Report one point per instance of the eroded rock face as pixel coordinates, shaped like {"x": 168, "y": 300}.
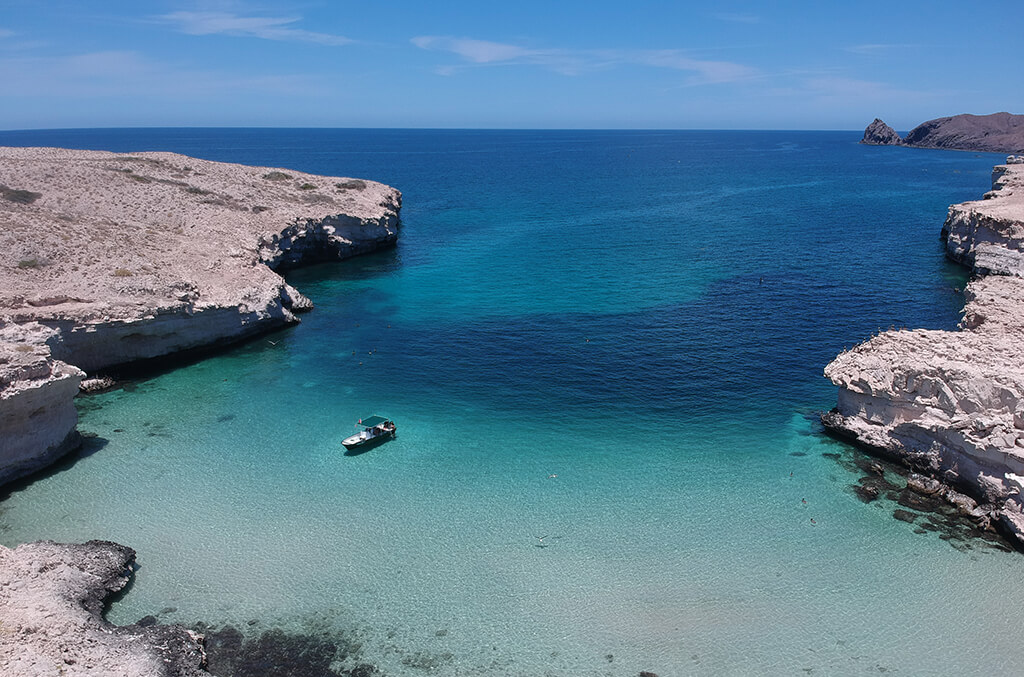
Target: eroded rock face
{"x": 51, "y": 597}
{"x": 37, "y": 414}
{"x": 988, "y": 235}
{"x": 880, "y": 134}
{"x": 951, "y": 404}
{"x": 130, "y": 257}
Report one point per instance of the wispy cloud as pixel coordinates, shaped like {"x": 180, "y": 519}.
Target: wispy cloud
{"x": 267, "y": 28}
{"x": 130, "y": 74}
{"x": 737, "y": 18}
{"x": 5, "y": 33}
{"x": 575, "y": 62}
{"x": 872, "y": 48}
{"x": 478, "y": 51}
{"x": 710, "y": 72}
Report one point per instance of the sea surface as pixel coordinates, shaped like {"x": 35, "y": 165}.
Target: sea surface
{"x": 604, "y": 354}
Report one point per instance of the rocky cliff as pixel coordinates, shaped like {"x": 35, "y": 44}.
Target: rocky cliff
{"x": 995, "y": 133}
{"x": 37, "y": 412}
{"x": 113, "y": 258}
{"x": 880, "y": 134}
{"x": 51, "y": 599}
{"x": 951, "y": 404}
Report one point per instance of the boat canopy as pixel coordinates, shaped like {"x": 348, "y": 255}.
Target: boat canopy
{"x": 372, "y": 421}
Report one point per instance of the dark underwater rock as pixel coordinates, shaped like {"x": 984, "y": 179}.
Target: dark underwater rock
{"x": 904, "y": 515}
{"x": 915, "y": 501}
{"x": 223, "y": 650}
{"x": 866, "y": 492}
{"x": 276, "y": 653}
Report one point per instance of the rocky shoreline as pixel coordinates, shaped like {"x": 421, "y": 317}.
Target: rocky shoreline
{"x": 51, "y": 602}
{"x": 950, "y": 405}
{"x": 117, "y": 258}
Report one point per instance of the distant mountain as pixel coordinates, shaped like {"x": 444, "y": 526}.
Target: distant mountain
{"x": 995, "y": 133}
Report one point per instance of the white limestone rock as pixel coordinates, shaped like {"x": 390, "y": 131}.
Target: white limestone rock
{"x": 37, "y": 414}
{"x": 951, "y": 404}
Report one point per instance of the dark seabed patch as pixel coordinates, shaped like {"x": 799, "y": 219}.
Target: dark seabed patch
{"x": 277, "y": 653}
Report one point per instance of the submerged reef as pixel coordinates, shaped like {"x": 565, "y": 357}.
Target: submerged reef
{"x": 280, "y": 653}
{"x": 950, "y": 404}
{"x": 112, "y": 259}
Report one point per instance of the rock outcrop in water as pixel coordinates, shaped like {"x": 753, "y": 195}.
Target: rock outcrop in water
{"x": 114, "y": 258}
{"x": 950, "y": 405}
{"x": 880, "y": 134}
{"x": 995, "y": 133}
{"x": 51, "y": 599}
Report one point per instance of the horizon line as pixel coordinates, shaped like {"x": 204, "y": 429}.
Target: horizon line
{"x": 445, "y": 129}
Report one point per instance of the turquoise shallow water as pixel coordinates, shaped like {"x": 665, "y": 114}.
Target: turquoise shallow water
{"x": 611, "y": 340}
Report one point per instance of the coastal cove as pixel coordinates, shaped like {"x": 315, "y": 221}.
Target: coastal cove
{"x": 604, "y": 353}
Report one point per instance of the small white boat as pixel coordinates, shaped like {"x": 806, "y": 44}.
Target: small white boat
{"x": 374, "y": 429}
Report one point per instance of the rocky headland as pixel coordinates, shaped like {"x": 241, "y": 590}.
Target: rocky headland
{"x": 115, "y": 258}
{"x": 995, "y": 133}
{"x": 51, "y": 602}
{"x": 950, "y": 404}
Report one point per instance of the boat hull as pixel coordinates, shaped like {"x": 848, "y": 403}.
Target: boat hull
{"x": 358, "y": 442}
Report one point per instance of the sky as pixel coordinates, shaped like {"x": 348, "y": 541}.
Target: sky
{"x": 556, "y": 64}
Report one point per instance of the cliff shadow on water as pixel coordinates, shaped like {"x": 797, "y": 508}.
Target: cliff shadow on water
{"x": 124, "y": 375}
{"x": 91, "y": 444}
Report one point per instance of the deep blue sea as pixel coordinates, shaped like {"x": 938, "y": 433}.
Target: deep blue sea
{"x": 604, "y": 354}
